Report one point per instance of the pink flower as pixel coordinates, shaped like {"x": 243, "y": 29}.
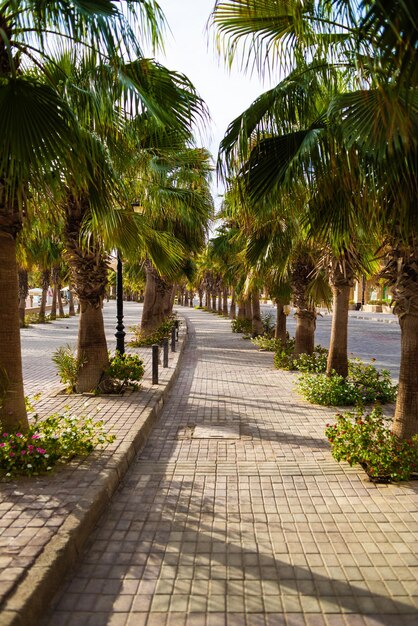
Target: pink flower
{"x": 30, "y": 448}
{"x": 5, "y": 435}
{"x": 40, "y": 450}
{"x": 35, "y": 436}
{"x": 12, "y": 454}
{"x": 2, "y": 445}
{"x": 19, "y": 435}
{"x": 23, "y": 452}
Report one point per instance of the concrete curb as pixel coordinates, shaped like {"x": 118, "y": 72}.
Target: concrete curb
{"x": 27, "y": 601}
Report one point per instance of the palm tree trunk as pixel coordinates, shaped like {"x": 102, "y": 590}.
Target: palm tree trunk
{"x": 61, "y": 312}
{"x": 337, "y": 356}
{"x": 257, "y": 324}
{"x": 248, "y": 309}
{"x": 54, "y": 279}
{"x": 214, "y": 301}
{"x": 220, "y": 308}
{"x": 191, "y": 298}
{"x": 280, "y": 330}
{"x": 225, "y": 302}
{"x": 233, "y": 307}
{"x": 168, "y": 301}
{"x": 12, "y": 400}
{"x": 89, "y": 277}
{"x": 200, "y": 292}
{"x": 23, "y": 294}
{"x": 241, "y": 309}
{"x": 71, "y": 309}
{"x": 305, "y": 331}
{"x": 207, "y": 299}
{"x": 186, "y": 298}
{"x": 305, "y": 313}
{"x": 405, "y": 423}
{"x": 402, "y": 270}
{"x": 91, "y": 346}
{"x": 153, "y": 309}
{"x": 45, "y": 276}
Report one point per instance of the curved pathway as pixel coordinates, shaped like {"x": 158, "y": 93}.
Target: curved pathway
{"x": 234, "y": 513}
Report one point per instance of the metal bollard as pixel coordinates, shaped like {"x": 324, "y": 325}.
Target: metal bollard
{"x": 165, "y": 353}
{"x": 173, "y": 339}
{"x": 176, "y": 326}
{"x": 155, "y": 350}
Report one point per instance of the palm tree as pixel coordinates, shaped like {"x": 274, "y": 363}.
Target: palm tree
{"x": 375, "y": 41}
{"x": 37, "y": 127}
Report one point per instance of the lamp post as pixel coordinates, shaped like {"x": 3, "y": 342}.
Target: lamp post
{"x": 120, "y": 332}
{"x": 120, "y": 328}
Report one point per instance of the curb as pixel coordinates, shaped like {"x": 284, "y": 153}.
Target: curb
{"x": 29, "y": 598}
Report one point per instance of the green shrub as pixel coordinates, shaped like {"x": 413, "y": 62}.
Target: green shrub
{"x": 241, "y": 326}
{"x": 364, "y": 384}
{"x": 56, "y": 438}
{"x": 332, "y": 390}
{"x": 164, "y": 330}
{"x": 315, "y": 362}
{"x": 266, "y": 343}
{"x": 68, "y": 366}
{"x": 365, "y": 438}
{"x": 373, "y": 385}
{"x": 268, "y": 324}
{"x": 283, "y": 358}
{"x": 126, "y": 370}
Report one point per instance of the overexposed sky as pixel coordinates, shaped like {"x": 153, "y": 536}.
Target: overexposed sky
{"x": 190, "y": 49}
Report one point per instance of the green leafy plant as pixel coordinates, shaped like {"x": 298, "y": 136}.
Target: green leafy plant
{"x": 241, "y": 326}
{"x": 266, "y": 343}
{"x": 126, "y": 370}
{"x": 365, "y": 438}
{"x": 164, "y": 330}
{"x": 68, "y": 366}
{"x": 315, "y": 362}
{"x": 364, "y": 384}
{"x": 58, "y": 438}
{"x": 268, "y": 324}
{"x": 283, "y": 358}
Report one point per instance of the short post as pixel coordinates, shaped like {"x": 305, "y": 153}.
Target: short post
{"x": 165, "y": 353}
{"x": 173, "y": 339}
{"x": 155, "y": 349}
{"x": 176, "y": 325}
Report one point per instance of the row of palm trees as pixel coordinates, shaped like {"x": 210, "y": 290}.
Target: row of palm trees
{"x": 322, "y": 168}
{"x": 97, "y": 155}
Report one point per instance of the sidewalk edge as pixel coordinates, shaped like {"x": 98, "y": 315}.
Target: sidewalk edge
{"x": 28, "y": 601}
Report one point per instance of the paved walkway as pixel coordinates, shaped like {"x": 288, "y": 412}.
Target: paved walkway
{"x": 235, "y": 514}
{"x": 45, "y": 520}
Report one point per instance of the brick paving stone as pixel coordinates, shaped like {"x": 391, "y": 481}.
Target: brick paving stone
{"x": 261, "y": 529}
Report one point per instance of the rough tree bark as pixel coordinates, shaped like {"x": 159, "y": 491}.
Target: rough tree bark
{"x": 23, "y": 294}
{"x": 45, "y": 278}
{"x": 280, "y": 329}
{"x": 89, "y": 276}
{"x": 233, "y": 307}
{"x": 402, "y": 272}
{"x": 341, "y": 280}
{"x": 156, "y": 290}
{"x": 257, "y": 324}
{"x": 305, "y": 311}
{"x": 12, "y": 400}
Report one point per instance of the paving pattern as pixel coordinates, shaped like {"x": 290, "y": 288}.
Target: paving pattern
{"x": 235, "y": 514}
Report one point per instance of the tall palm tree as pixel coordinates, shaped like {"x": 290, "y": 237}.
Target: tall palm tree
{"x": 37, "y": 127}
{"x": 376, "y": 42}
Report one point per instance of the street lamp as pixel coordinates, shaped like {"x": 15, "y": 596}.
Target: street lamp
{"x": 120, "y": 328}
{"x": 120, "y": 332}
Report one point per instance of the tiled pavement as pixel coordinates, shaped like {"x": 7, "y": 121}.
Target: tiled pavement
{"x": 44, "y": 521}
{"x": 235, "y": 514}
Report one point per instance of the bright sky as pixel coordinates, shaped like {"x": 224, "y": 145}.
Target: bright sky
{"x": 190, "y": 50}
